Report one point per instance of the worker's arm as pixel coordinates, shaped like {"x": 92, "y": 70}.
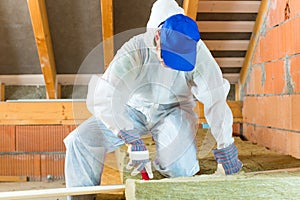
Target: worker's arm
{"x": 113, "y": 89}
{"x": 211, "y": 89}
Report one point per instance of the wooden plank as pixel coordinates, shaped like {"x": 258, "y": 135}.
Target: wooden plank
{"x": 227, "y": 45}
{"x": 230, "y": 61}
{"x": 190, "y": 8}
{"x": 254, "y": 40}
{"x": 228, "y": 6}
{"x": 66, "y": 113}
{"x": 233, "y": 78}
{"x": 36, "y": 113}
{"x": 2, "y": 91}
{"x": 39, "y": 20}
{"x": 107, "y": 31}
{"x": 235, "y": 106}
{"x": 58, "y": 192}
{"x": 38, "y": 79}
{"x": 225, "y": 26}
{"x": 13, "y": 178}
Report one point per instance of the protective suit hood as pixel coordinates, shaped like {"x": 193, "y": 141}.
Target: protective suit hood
{"x": 160, "y": 11}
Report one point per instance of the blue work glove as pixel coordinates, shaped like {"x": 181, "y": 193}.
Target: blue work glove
{"x": 138, "y": 153}
{"x": 227, "y": 158}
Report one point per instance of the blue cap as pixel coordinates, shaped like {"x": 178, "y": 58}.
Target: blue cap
{"x": 179, "y": 35}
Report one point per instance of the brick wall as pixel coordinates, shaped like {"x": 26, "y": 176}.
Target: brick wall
{"x": 33, "y": 151}
{"x": 271, "y": 112}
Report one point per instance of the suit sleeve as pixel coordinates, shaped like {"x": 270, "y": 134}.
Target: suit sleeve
{"x": 210, "y": 88}
{"x": 109, "y": 94}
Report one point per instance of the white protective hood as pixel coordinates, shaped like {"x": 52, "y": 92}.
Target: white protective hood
{"x": 160, "y": 11}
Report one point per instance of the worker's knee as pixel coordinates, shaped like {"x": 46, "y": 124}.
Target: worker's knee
{"x": 178, "y": 169}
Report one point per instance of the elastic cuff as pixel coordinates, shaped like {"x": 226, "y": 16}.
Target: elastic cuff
{"x": 139, "y": 155}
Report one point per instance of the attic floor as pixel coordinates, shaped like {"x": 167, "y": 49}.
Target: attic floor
{"x": 254, "y": 158}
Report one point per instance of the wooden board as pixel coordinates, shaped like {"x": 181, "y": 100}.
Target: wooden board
{"x": 230, "y": 61}
{"x": 66, "y": 112}
{"x": 229, "y": 45}
{"x": 13, "y": 178}
{"x": 225, "y": 26}
{"x": 228, "y": 6}
{"x": 58, "y": 192}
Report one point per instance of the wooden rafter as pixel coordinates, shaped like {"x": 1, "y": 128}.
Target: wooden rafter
{"x": 39, "y": 20}
{"x": 2, "y": 91}
{"x": 107, "y": 31}
{"x": 190, "y": 8}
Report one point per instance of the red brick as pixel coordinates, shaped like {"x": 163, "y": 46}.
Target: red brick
{"x": 272, "y": 45}
{"x": 273, "y": 111}
{"x": 291, "y": 36}
{"x": 294, "y": 7}
{"x": 276, "y": 13}
{"x": 7, "y": 139}
{"x": 52, "y": 164}
{"x": 250, "y": 107}
{"x": 41, "y": 138}
{"x": 293, "y": 144}
{"x": 295, "y": 72}
{"x": 275, "y": 77}
{"x": 295, "y": 112}
{"x": 20, "y": 165}
{"x": 249, "y": 133}
{"x": 257, "y": 54}
{"x": 277, "y": 111}
{"x": 236, "y": 129}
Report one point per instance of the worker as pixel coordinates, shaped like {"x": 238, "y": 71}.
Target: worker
{"x": 150, "y": 87}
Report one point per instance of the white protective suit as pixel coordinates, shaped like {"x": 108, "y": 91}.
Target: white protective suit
{"x": 137, "y": 92}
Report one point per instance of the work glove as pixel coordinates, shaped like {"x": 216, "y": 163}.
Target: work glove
{"x": 138, "y": 153}
{"x": 227, "y": 159}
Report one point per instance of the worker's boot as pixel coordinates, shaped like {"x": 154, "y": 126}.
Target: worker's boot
{"x": 84, "y": 197}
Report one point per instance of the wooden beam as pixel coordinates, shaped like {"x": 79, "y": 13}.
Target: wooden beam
{"x": 253, "y": 41}
{"x": 190, "y": 8}
{"x": 39, "y": 20}
{"x": 233, "y": 78}
{"x": 225, "y": 26}
{"x": 58, "y": 192}
{"x": 107, "y": 31}
{"x": 13, "y": 178}
{"x": 2, "y": 92}
{"x": 227, "y": 45}
{"x": 235, "y": 106}
{"x": 67, "y": 112}
{"x": 230, "y": 61}
{"x": 237, "y": 92}
{"x": 228, "y": 6}
{"x": 38, "y": 79}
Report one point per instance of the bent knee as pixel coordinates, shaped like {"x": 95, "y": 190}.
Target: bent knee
{"x": 178, "y": 170}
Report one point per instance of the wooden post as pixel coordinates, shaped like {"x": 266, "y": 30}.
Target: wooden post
{"x": 237, "y": 92}
{"x": 107, "y": 31}
{"x": 263, "y": 9}
{"x": 39, "y": 20}
{"x": 190, "y": 8}
{"x": 2, "y": 92}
